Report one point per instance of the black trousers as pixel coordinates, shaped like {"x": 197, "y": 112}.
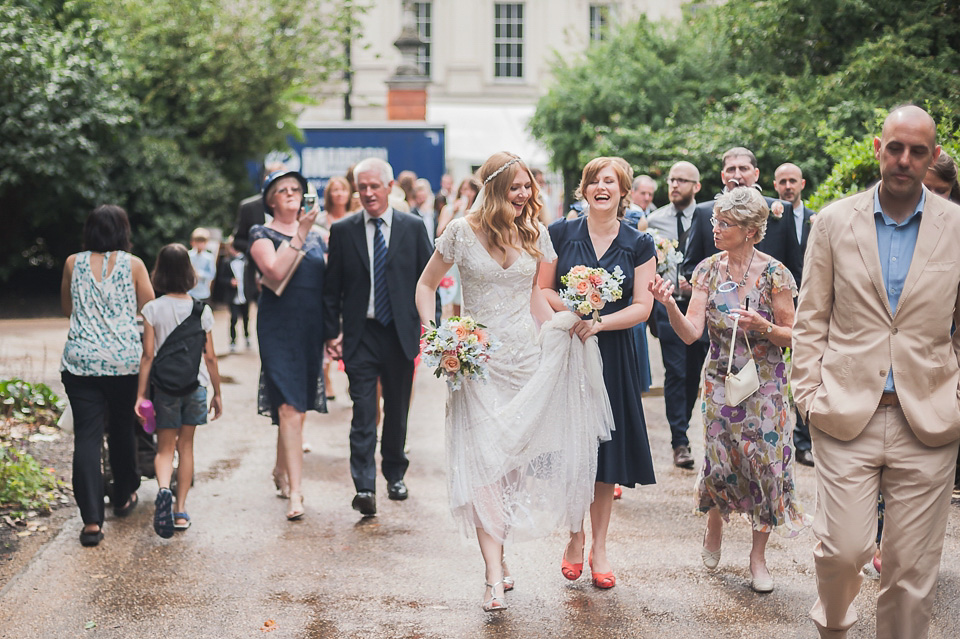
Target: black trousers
{"x": 682, "y": 365}
{"x": 379, "y": 356}
{"x": 801, "y": 434}
{"x": 242, "y": 312}
{"x": 98, "y": 403}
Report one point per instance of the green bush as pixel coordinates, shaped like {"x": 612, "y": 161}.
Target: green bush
{"x": 24, "y": 485}
{"x": 28, "y": 402}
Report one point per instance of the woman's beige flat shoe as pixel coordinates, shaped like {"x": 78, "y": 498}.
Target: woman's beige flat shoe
{"x": 711, "y": 558}
{"x": 762, "y": 585}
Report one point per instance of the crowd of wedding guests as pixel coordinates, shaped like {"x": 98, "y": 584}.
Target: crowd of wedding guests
{"x": 731, "y": 286}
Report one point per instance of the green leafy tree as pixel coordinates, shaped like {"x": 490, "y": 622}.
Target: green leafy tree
{"x": 62, "y": 113}
{"x": 762, "y": 74}
{"x": 155, "y": 106}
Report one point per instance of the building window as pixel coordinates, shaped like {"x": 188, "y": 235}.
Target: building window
{"x": 508, "y": 40}
{"x": 424, "y": 15}
{"x": 599, "y": 22}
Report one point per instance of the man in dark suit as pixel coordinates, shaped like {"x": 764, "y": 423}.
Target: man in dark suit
{"x": 251, "y": 212}
{"x": 788, "y": 181}
{"x": 682, "y": 363}
{"x": 374, "y": 263}
{"x": 780, "y": 241}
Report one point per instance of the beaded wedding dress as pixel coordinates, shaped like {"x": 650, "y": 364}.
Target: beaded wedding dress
{"x": 521, "y": 446}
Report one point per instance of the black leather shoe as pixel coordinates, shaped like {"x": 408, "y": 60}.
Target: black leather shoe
{"x": 805, "y": 457}
{"x": 366, "y": 503}
{"x": 127, "y": 508}
{"x": 397, "y": 490}
{"x": 90, "y": 539}
{"x": 682, "y": 458}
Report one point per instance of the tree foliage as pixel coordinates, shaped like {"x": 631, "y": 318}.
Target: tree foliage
{"x": 781, "y": 77}
{"x": 156, "y": 106}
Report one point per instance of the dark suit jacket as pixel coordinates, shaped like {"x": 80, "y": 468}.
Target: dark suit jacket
{"x": 779, "y": 242}
{"x": 346, "y": 291}
{"x": 807, "y": 223}
{"x": 249, "y": 213}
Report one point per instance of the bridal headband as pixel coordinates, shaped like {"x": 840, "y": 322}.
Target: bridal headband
{"x": 501, "y": 170}
{"x": 478, "y": 202}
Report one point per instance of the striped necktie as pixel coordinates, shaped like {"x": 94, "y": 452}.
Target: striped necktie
{"x": 381, "y": 297}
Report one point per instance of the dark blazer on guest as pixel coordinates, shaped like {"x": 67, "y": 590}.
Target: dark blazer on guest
{"x": 807, "y": 223}
{"x": 249, "y": 212}
{"x": 346, "y": 292}
{"x": 779, "y": 242}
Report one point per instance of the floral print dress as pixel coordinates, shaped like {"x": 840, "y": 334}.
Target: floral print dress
{"x": 748, "y": 458}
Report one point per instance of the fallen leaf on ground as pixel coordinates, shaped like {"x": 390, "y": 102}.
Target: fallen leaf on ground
{"x": 268, "y": 626}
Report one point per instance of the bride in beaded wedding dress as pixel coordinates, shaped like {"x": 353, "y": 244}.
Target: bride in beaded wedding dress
{"x": 521, "y": 446}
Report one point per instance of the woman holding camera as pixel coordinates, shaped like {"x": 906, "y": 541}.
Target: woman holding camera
{"x": 289, "y": 326}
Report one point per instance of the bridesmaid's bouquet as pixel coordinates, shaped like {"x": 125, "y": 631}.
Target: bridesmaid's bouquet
{"x": 668, "y": 253}
{"x": 589, "y": 289}
{"x": 459, "y": 348}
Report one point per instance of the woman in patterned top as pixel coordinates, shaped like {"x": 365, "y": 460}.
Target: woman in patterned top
{"x": 103, "y": 289}
{"x": 748, "y": 448}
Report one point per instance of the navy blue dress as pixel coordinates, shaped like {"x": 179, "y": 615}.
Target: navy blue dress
{"x": 625, "y": 459}
{"x": 290, "y": 333}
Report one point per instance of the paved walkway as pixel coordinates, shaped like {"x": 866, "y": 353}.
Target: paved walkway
{"x": 404, "y": 573}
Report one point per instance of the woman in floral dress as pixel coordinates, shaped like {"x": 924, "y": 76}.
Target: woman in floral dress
{"x": 748, "y": 459}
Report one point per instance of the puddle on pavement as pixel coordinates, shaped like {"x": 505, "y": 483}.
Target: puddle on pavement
{"x": 219, "y": 470}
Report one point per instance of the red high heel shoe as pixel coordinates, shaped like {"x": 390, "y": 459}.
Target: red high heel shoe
{"x": 602, "y": 580}
{"x": 571, "y": 571}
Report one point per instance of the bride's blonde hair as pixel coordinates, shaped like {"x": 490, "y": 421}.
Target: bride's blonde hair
{"x": 496, "y": 216}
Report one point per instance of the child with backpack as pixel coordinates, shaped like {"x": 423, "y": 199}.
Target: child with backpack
{"x": 176, "y": 335}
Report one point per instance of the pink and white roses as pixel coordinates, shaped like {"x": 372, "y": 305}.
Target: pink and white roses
{"x": 589, "y": 289}
{"x": 459, "y": 348}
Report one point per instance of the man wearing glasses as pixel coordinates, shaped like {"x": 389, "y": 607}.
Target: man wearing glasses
{"x": 780, "y": 241}
{"x": 681, "y": 363}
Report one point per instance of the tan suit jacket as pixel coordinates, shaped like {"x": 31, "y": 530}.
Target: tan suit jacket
{"x": 846, "y": 337}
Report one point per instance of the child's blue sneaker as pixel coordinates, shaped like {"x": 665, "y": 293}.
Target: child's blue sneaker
{"x": 163, "y": 517}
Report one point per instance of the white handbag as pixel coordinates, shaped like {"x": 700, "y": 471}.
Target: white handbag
{"x": 745, "y": 383}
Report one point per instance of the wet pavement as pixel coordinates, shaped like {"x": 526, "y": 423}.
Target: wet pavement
{"x": 242, "y": 570}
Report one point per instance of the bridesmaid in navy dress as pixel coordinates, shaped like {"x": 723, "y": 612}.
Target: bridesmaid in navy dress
{"x": 602, "y": 239}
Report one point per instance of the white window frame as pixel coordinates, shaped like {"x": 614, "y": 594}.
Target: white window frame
{"x": 423, "y": 13}
{"x": 509, "y": 50}
{"x": 601, "y": 16}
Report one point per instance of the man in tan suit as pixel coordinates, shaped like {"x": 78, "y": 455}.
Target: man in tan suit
{"x": 876, "y": 374}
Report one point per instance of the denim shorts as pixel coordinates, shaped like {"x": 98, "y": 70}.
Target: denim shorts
{"x": 174, "y": 412}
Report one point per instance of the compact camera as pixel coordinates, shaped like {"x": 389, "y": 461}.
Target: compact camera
{"x": 309, "y": 201}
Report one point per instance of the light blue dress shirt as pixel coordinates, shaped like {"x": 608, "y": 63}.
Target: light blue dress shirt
{"x": 896, "y": 243}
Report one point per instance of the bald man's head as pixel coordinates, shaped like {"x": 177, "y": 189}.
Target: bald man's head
{"x": 788, "y": 181}
{"x": 914, "y": 116}
{"x": 906, "y": 148}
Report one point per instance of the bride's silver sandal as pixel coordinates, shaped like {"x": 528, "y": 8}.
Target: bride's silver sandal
{"x": 494, "y": 603}
{"x": 508, "y": 581}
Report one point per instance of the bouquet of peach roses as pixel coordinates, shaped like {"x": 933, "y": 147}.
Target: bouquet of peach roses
{"x": 589, "y": 289}
{"x": 459, "y": 348}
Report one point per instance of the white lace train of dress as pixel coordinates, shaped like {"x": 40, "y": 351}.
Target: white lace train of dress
{"x": 522, "y": 446}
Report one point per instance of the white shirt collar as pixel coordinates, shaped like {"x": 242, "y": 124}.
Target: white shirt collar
{"x": 387, "y": 217}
